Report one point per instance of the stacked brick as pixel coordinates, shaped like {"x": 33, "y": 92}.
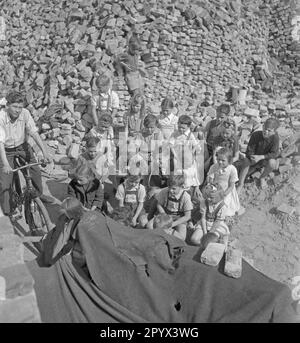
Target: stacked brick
{"x": 55, "y": 49}
{"x": 18, "y": 303}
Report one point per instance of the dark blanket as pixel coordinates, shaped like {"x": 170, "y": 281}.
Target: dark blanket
{"x": 148, "y": 276}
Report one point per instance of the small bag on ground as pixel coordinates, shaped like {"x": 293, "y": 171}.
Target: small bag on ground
{"x": 233, "y": 263}
{"x": 213, "y": 254}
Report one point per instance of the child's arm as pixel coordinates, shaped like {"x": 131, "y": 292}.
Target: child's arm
{"x": 137, "y": 213}
{"x": 182, "y": 220}
{"x": 203, "y": 225}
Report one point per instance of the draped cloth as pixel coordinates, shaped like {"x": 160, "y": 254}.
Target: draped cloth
{"x": 140, "y": 276}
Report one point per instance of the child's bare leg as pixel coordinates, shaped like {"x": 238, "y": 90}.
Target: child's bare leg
{"x": 180, "y": 231}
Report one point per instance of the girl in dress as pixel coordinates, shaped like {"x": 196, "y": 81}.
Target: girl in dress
{"x": 225, "y": 174}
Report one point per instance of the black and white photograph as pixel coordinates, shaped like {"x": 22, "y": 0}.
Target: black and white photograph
{"x": 149, "y": 165}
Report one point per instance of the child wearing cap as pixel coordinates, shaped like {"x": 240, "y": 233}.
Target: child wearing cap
{"x": 262, "y": 152}
{"x": 106, "y": 100}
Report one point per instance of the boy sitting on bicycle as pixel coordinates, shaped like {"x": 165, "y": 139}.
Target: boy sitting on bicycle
{"x": 17, "y": 124}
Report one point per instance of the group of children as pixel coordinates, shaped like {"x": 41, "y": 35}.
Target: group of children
{"x": 169, "y": 171}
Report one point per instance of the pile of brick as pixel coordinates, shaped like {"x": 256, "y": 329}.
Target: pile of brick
{"x": 18, "y": 303}
{"x": 55, "y": 49}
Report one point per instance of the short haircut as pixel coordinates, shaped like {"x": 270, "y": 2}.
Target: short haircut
{"x": 225, "y": 152}
{"x": 72, "y": 207}
{"x": 92, "y": 142}
{"x": 162, "y": 221}
{"x": 271, "y": 123}
{"x": 15, "y": 97}
{"x": 83, "y": 170}
{"x": 185, "y": 119}
{"x": 225, "y": 108}
{"x": 150, "y": 119}
{"x": 176, "y": 180}
{"x": 167, "y": 103}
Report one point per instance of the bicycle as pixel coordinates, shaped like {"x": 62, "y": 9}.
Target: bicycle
{"x": 35, "y": 213}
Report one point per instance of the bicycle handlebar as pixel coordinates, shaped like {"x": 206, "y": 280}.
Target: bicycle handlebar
{"x": 29, "y": 165}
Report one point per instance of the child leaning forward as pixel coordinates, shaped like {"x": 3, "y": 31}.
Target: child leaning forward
{"x": 176, "y": 202}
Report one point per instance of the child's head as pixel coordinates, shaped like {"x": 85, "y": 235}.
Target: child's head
{"x": 223, "y": 111}
{"x": 91, "y": 147}
{"x": 213, "y": 193}
{"x": 103, "y": 83}
{"x": 270, "y": 127}
{"x": 162, "y": 221}
{"x": 137, "y": 104}
{"x": 175, "y": 184}
{"x": 150, "y": 123}
{"x": 167, "y": 106}
{"x": 184, "y": 122}
{"x": 72, "y": 208}
{"x": 224, "y": 157}
{"x": 83, "y": 174}
{"x": 105, "y": 121}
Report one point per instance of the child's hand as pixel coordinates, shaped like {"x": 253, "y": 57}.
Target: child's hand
{"x": 133, "y": 221}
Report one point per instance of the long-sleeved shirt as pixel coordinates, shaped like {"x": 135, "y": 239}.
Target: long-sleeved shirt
{"x": 258, "y": 145}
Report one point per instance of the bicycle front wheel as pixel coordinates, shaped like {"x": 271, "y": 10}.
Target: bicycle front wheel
{"x": 37, "y": 216}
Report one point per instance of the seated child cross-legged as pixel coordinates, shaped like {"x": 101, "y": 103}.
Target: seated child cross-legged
{"x": 212, "y": 226}
{"x": 131, "y": 194}
{"x": 176, "y": 202}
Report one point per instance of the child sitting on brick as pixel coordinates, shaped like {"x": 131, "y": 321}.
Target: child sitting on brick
{"x": 86, "y": 187}
{"x": 105, "y": 101}
{"x": 176, "y": 202}
{"x": 131, "y": 194}
{"x": 212, "y": 226}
